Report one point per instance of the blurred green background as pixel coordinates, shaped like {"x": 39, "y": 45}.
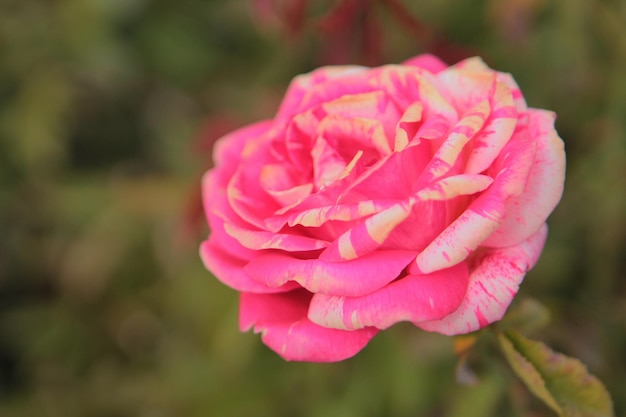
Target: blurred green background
{"x": 108, "y": 110}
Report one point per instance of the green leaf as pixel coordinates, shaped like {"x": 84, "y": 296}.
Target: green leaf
{"x": 525, "y": 315}
{"x": 561, "y": 382}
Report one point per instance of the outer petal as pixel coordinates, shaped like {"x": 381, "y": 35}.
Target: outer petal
{"x": 213, "y": 191}
{"x": 245, "y": 195}
{"x": 357, "y": 277}
{"x": 528, "y": 211}
{"x": 226, "y": 242}
{"x": 428, "y": 62}
{"x": 494, "y": 281}
{"x": 474, "y": 63}
{"x": 413, "y": 298}
{"x": 406, "y": 85}
{"x": 227, "y": 150}
{"x": 477, "y": 64}
{"x": 459, "y": 239}
{"x": 338, "y": 82}
{"x": 484, "y": 215}
{"x": 218, "y": 212}
{"x": 230, "y": 270}
{"x": 518, "y": 97}
{"x": 497, "y": 132}
{"x": 286, "y": 330}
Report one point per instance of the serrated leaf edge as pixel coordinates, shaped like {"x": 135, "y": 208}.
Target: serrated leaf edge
{"x": 540, "y": 391}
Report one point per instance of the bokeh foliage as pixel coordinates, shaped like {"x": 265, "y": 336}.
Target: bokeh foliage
{"x": 108, "y": 109}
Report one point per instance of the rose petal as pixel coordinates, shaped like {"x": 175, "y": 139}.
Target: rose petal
{"x": 292, "y": 196}
{"x": 352, "y": 278}
{"x": 452, "y": 147}
{"x": 516, "y": 93}
{"x": 372, "y": 233}
{"x": 466, "y": 89}
{"x": 281, "y": 318}
{"x": 407, "y": 126}
{"x": 230, "y": 270}
{"x": 350, "y": 134}
{"x": 458, "y": 240}
{"x": 428, "y": 62}
{"x": 493, "y": 283}
{"x": 246, "y": 197}
{"x": 368, "y": 235}
{"x": 228, "y": 148}
{"x": 454, "y": 186}
{"x": 393, "y": 177}
{"x": 317, "y": 216}
{"x": 497, "y": 131}
{"x": 347, "y": 81}
{"x": 226, "y": 242}
{"x": 414, "y": 233}
{"x": 328, "y": 165}
{"x": 484, "y": 215}
{"x": 375, "y": 105}
{"x": 326, "y": 197}
{"x": 433, "y": 130}
{"x": 261, "y": 239}
{"x": 286, "y": 184}
{"x": 259, "y": 309}
{"x": 407, "y": 85}
{"x": 301, "y": 85}
{"x": 476, "y": 64}
{"x": 218, "y": 212}
{"x": 528, "y": 211}
{"x": 298, "y": 140}
{"x": 413, "y": 298}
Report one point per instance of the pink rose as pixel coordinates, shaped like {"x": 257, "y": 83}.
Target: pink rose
{"x": 415, "y": 192}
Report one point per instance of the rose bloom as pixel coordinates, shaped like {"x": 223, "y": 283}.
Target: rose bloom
{"x": 416, "y": 192}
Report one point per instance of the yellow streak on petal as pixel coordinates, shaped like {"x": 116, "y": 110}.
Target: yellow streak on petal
{"x": 412, "y": 114}
{"x": 382, "y": 224}
{"x": 331, "y": 315}
{"x": 450, "y": 150}
{"x": 346, "y": 249}
{"x": 351, "y": 165}
{"x": 454, "y": 186}
{"x": 356, "y": 323}
{"x": 472, "y": 64}
{"x": 489, "y": 146}
{"x": 379, "y": 139}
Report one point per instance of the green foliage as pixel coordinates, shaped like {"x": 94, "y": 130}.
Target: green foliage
{"x": 561, "y": 382}
{"x": 525, "y": 315}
